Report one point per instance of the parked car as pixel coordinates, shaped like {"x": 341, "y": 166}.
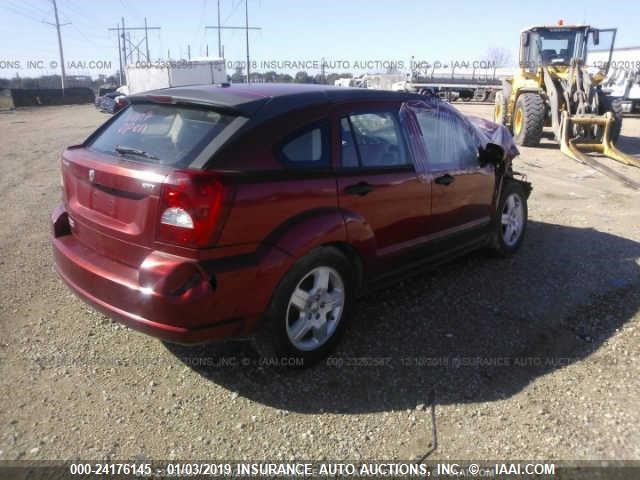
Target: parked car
{"x": 198, "y": 213}
{"x": 111, "y": 102}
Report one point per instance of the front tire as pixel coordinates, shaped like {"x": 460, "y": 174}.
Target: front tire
{"x": 309, "y": 309}
{"x": 500, "y": 109}
{"x": 613, "y": 105}
{"x": 528, "y": 119}
{"x": 511, "y": 219}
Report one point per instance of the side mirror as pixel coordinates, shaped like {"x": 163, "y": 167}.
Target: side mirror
{"x": 596, "y": 36}
{"x": 492, "y": 154}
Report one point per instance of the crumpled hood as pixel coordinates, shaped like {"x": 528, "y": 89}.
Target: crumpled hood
{"x": 491, "y": 132}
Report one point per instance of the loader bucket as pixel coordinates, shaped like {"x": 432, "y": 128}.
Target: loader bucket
{"x": 576, "y": 149}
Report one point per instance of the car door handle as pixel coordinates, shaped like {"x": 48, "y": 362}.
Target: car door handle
{"x": 445, "y": 180}
{"x": 361, "y": 189}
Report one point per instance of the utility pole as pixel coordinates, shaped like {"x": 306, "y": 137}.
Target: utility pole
{"x": 188, "y": 52}
{"x": 219, "y": 33}
{"x": 134, "y": 48}
{"x": 146, "y": 39}
{"x": 246, "y": 25}
{"x": 119, "y": 54}
{"x": 124, "y": 44}
{"x": 58, "y": 25}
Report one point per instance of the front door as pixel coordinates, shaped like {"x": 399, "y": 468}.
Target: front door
{"x": 378, "y": 183}
{"x": 461, "y": 190}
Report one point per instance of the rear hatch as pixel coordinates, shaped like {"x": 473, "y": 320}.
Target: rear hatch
{"x": 114, "y": 182}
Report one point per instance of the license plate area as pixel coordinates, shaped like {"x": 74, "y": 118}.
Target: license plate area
{"x": 103, "y": 202}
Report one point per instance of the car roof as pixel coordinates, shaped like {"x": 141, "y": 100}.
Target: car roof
{"x": 247, "y": 99}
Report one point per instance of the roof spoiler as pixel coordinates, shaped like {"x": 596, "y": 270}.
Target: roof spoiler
{"x": 178, "y": 100}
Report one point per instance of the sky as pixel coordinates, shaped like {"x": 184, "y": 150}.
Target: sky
{"x": 346, "y": 33}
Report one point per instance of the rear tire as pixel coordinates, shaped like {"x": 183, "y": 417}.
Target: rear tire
{"x": 302, "y": 303}
{"x": 528, "y": 119}
{"x": 511, "y": 219}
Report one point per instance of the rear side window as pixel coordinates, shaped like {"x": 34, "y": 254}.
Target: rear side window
{"x": 307, "y": 148}
{"x": 378, "y": 140}
{"x": 161, "y": 134}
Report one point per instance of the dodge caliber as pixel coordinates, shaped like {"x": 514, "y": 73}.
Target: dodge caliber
{"x": 198, "y": 213}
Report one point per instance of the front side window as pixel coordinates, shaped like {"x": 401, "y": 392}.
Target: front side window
{"x": 307, "y": 148}
{"x": 348, "y": 145}
{"x": 449, "y": 143}
{"x": 161, "y": 134}
{"x": 374, "y": 139}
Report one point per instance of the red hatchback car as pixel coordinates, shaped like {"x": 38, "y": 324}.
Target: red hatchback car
{"x": 198, "y": 213}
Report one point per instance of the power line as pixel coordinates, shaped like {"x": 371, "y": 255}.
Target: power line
{"x": 83, "y": 35}
{"x": 83, "y": 24}
{"x": 29, "y": 9}
{"x": 104, "y": 47}
{"x": 22, "y": 13}
{"x": 123, "y": 33}
{"x": 131, "y": 8}
{"x": 203, "y": 12}
{"x": 88, "y": 19}
{"x": 233, "y": 9}
{"x": 246, "y": 28}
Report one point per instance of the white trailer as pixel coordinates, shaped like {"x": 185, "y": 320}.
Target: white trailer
{"x": 623, "y": 79}
{"x": 468, "y": 84}
{"x": 142, "y": 78}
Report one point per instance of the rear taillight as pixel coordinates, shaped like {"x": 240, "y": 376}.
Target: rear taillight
{"x": 63, "y": 185}
{"x": 190, "y": 207}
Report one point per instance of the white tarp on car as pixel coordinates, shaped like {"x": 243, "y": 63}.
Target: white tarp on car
{"x": 451, "y": 132}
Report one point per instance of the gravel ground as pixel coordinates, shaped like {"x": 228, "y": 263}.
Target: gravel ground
{"x": 533, "y": 357}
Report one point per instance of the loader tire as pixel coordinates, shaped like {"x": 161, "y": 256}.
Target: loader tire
{"x": 528, "y": 119}
{"x": 613, "y": 105}
{"x": 500, "y": 108}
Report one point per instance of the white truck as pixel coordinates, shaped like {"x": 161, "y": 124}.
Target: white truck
{"x": 177, "y": 73}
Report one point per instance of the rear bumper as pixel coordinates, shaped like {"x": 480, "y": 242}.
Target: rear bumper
{"x": 169, "y": 297}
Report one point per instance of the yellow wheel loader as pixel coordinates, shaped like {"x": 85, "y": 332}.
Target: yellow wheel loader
{"x": 555, "y": 87}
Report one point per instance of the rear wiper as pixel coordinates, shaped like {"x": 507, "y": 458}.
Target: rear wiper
{"x": 122, "y": 150}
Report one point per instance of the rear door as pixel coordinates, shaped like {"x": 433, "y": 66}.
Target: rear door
{"x": 378, "y": 182}
{"x": 461, "y": 190}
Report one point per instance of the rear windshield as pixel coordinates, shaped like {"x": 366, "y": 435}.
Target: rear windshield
{"x": 161, "y": 134}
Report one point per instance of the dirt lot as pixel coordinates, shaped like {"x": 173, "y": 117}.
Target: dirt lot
{"x": 531, "y": 357}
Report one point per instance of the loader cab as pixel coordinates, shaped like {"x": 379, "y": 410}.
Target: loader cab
{"x": 559, "y": 46}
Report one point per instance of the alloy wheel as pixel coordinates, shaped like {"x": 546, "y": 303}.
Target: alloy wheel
{"x": 315, "y": 308}
{"x": 512, "y": 219}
